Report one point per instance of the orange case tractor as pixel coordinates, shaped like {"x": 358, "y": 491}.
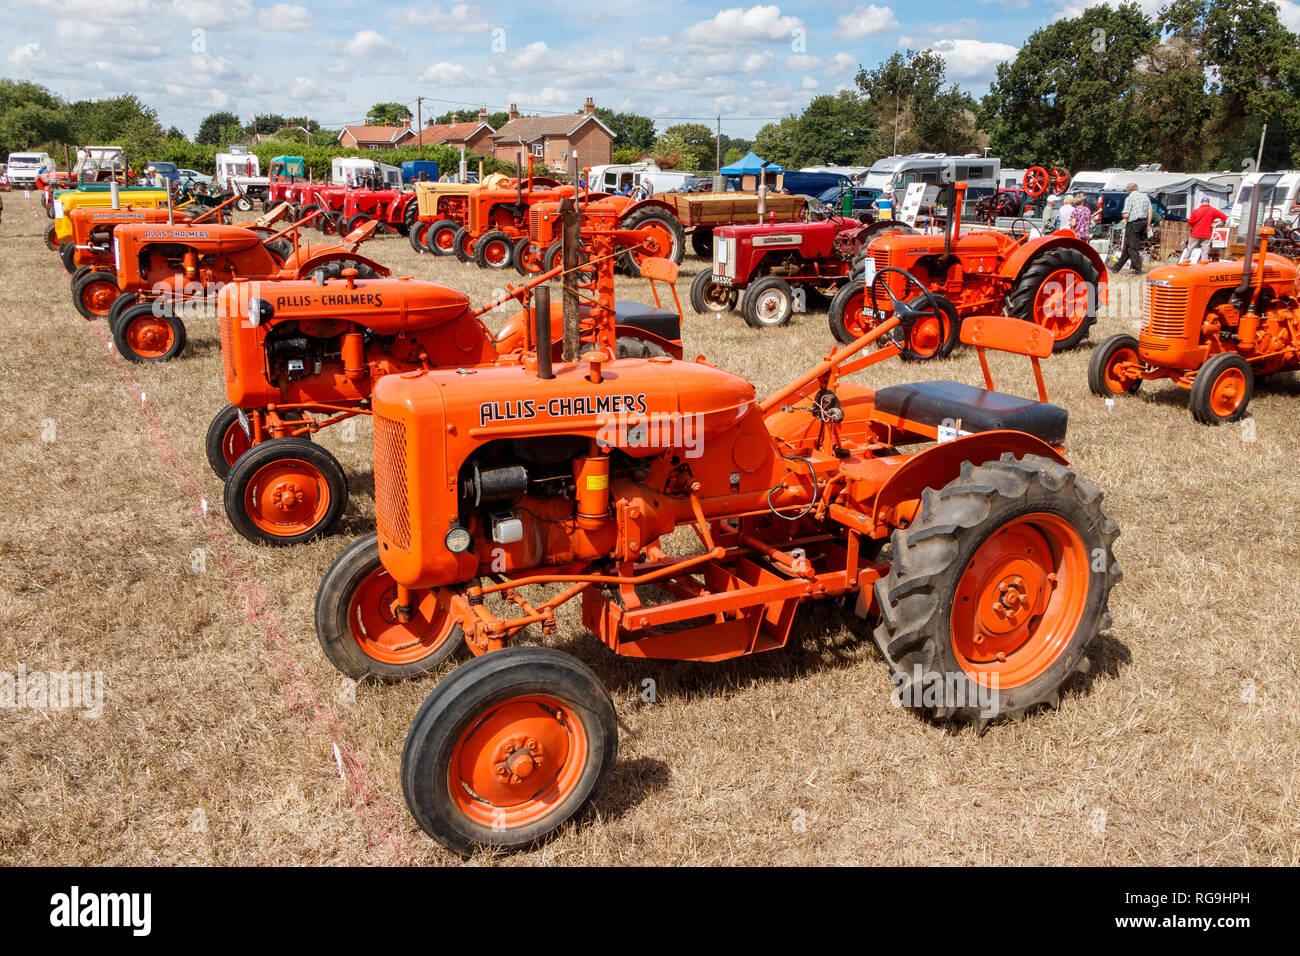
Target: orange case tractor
{"x": 300, "y": 356}
{"x": 505, "y": 491}
{"x": 163, "y": 270}
{"x": 1213, "y": 328}
{"x": 496, "y": 219}
{"x": 1055, "y": 281}
{"x": 640, "y": 230}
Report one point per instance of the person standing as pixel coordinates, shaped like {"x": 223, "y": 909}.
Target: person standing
{"x": 1081, "y": 220}
{"x": 1202, "y": 222}
{"x": 1065, "y": 215}
{"x": 1137, "y": 223}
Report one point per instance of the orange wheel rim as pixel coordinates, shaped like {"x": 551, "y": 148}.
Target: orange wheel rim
{"x": 1020, "y": 601}
{"x": 445, "y": 239}
{"x": 468, "y": 244}
{"x": 856, "y": 319}
{"x": 1118, "y": 379}
{"x": 1061, "y": 303}
{"x": 372, "y": 617}
{"x": 1227, "y": 392}
{"x": 98, "y": 296}
{"x": 518, "y": 762}
{"x": 927, "y": 336}
{"x": 287, "y": 497}
{"x": 496, "y": 253}
{"x": 421, "y": 235}
{"x": 150, "y": 336}
{"x": 659, "y": 243}
{"x": 234, "y": 443}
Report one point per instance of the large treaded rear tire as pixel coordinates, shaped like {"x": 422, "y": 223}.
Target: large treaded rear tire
{"x": 1020, "y": 301}
{"x": 918, "y": 596}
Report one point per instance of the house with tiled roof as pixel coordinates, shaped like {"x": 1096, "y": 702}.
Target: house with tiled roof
{"x": 554, "y": 139}
{"x": 374, "y": 137}
{"x": 474, "y": 136}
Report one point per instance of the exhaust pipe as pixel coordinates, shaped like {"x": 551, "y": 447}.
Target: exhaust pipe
{"x": 114, "y": 195}
{"x": 542, "y": 330}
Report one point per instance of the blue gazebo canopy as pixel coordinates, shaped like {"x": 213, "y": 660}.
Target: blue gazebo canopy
{"x": 749, "y": 165}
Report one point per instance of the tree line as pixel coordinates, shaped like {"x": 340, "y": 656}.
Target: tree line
{"x": 1192, "y": 88}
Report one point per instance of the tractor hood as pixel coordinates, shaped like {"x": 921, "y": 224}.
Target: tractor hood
{"x": 209, "y": 239}
{"x": 1222, "y": 274}
{"x": 779, "y": 234}
{"x": 386, "y": 306}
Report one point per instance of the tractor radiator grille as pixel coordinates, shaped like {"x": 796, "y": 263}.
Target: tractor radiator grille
{"x": 473, "y": 219}
{"x": 392, "y": 513}
{"x": 1165, "y": 311}
{"x": 534, "y": 222}
{"x": 227, "y": 347}
{"x": 881, "y": 258}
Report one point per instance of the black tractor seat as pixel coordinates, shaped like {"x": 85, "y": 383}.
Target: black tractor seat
{"x": 647, "y": 318}
{"x": 977, "y": 409}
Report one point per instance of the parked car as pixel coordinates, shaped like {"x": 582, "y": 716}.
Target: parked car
{"x": 864, "y": 197}
{"x": 167, "y": 171}
{"x": 192, "y": 177}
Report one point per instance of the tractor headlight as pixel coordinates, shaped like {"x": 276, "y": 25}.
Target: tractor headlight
{"x": 458, "y": 540}
{"x": 259, "y": 311}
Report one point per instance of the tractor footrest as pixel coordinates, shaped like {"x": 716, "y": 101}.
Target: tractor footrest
{"x": 978, "y": 409}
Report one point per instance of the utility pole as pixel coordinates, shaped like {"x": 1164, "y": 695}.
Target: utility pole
{"x": 419, "y": 127}
{"x": 1259, "y": 157}
{"x": 718, "y": 166}
{"x": 896, "y": 99}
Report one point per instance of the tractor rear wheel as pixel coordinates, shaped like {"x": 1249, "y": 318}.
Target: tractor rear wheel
{"x": 508, "y": 748}
{"x": 526, "y": 259}
{"x": 285, "y": 491}
{"x": 709, "y": 296}
{"x": 996, "y": 590}
{"x": 662, "y": 230}
{"x": 441, "y": 237}
{"x": 1057, "y": 290}
{"x": 141, "y": 335}
{"x": 306, "y": 211}
{"x": 626, "y": 346}
{"x": 94, "y": 293}
{"x": 355, "y": 222}
{"x": 463, "y": 244}
{"x": 768, "y": 303}
{"x": 702, "y": 242}
{"x": 1110, "y": 368}
{"x": 1222, "y": 389}
{"x": 51, "y": 238}
{"x": 68, "y": 256}
{"x": 359, "y": 630}
{"x": 494, "y": 250}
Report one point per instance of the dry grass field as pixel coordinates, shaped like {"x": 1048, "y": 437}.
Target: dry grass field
{"x": 221, "y": 717}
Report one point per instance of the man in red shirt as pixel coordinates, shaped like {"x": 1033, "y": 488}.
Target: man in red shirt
{"x": 1202, "y": 221}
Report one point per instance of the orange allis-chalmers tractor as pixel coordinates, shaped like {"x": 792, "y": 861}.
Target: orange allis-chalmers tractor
{"x": 164, "y": 272}
{"x": 1055, "y": 281}
{"x": 504, "y": 491}
{"x": 300, "y": 356}
{"x": 1213, "y": 328}
{"x": 639, "y": 230}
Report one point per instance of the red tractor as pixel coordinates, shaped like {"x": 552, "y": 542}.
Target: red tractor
{"x": 326, "y": 199}
{"x": 982, "y": 563}
{"x": 769, "y": 262}
{"x": 167, "y": 272}
{"x": 393, "y": 209}
{"x": 1055, "y": 281}
{"x": 300, "y": 356}
{"x": 639, "y": 229}
{"x": 1214, "y": 328}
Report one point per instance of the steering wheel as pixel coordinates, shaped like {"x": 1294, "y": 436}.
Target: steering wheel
{"x": 1023, "y": 233}
{"x": 917, "y": 328}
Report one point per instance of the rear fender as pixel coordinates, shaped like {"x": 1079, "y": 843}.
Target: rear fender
{"x": 940, "y": 464}
{"x": 1018, "y": 261}
{"x": 647, "y": 204}
{"x": 512, "y": 336}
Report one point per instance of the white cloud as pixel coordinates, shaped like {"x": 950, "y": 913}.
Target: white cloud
{"x": 733, "y": 27}
{"x": 808, "y": 83}
{"x": 546, "y": 97}
{"x": 26, "y": 56}
{"x": 972, "y": 60}
{"x": 840, "y": 64}
{"x": 796, "y": 64}
{"x": 1289, "y": 14}
{"x": 305, "y": 88}
{"x": 124, "y": 42}
{"x": 285, "y": 16}
{"x": 212, "y": 14}
{"x": 447, "y": 74}
{"x": 100, "y": 11}
{"x": 865, "y": 21}
{"x": 458, "y": 18}
{"x": 369, "y": 43}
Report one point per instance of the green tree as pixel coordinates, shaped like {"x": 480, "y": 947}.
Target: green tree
{"x": 836, "y": 129}
{"x": 914, "y": 108}
{"x": 1070, "y": 96}
{"x": 388, "y": 114}
{"x": 30, "y": 116}
{"x": 631, "y": 130}
{"x": 779, "y": 142}
{"x": 213, "y": 128}
{"x": 692, "y": 143}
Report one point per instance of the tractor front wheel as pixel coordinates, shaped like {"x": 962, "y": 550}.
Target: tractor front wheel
{"x": 359, "y": 628}
{"x": 996, "y": 590}
{"x": 710, "y": 296}
{"x": 141, "y": 335}
{"x": 285, "y": 491}
{"x": 508, "y": 748}
{"x": 768, "y": 303}
{"x": 417, "y": 235}
{"x": 441, "y": 237}
{"x": 463, "y": 244}
{"x": 226, "y": 441}
{"x": 81, "y": 271}
{"x": 94, "y": 293}
{"x": 934, "y": 333}
{"x": 1058, "y": 290}
{"x": 354, "y": 223}
{"x": 68, "y": 256}
{"x": 554, "y": 256}
{"x": 1113, "y": 368}
{"x": 663, "y": 235}
{"x": 1222, "y": 389}
{"x": 494, "y": 250}
{"x": 527, "y": 260}
{"x": 51, "y": 238}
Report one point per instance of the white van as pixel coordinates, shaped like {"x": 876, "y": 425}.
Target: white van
{"x": 979, "y": 173}
{"x": 1280, "y": 202}
{"x": 612, "y": 178}
{"x": 351, "y": 170}
{"x": 23, "y": 167}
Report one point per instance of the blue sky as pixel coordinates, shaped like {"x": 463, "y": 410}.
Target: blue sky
{"x": 672, "y": 60}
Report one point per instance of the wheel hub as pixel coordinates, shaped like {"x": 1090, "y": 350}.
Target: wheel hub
{"x": 286, "y": 495}
{"x": 520, "y": 757}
